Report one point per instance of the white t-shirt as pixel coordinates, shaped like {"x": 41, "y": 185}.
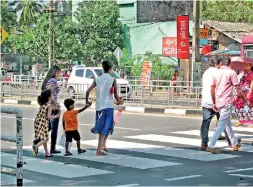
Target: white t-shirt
{"x": 207, "y": 78}
{"x": 104, "y": 98}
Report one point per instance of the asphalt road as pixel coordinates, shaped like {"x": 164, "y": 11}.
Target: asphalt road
{"x": 145, "y": 150}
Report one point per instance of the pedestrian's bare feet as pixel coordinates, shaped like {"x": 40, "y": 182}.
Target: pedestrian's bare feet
{"x": 101, "y": 153}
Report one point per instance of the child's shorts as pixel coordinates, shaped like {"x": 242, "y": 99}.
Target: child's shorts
{"x": 72, "y": 135}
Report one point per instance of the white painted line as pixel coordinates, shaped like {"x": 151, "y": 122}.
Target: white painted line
{"x": 11, "y": 180}
{"x": 90, "y": 125}
{"x": 135, "y": 109}
{"x": 34, "y": 103}
{"x": 243, "y": 129}
{"x": 161, "y": 150}
{"x": 175, "y": 111}
{"x": 185, "y": 177}
{"x": 10, "y": 101}
{"x": 236, "y": 170}
{"x": 184, "y": 141}
{"x": 211, "y": 133}
{"x": 51, "y": 167}
{"x": 240, "y": 175}
{"x": 129, "y": 185}
{"x": 118, "y": 159}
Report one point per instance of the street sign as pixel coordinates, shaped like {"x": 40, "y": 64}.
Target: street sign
{"x": 203, "y": 33}
{"x": 118, "y": 53}
{"x": 3, "y": 34}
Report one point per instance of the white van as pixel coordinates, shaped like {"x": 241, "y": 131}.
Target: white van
{"x": 82, "y": 77}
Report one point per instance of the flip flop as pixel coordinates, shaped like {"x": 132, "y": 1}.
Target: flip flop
{"x": 81, "y": 151}
{"x": 35, "y": 151}
{"x": 106, "y": 150}
{"x": 101, "y": 154}
{"x": 48, "y": 156}
{"x": 68, "y": 154}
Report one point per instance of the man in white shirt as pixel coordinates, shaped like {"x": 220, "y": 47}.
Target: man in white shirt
{"x": 207, "y": 102}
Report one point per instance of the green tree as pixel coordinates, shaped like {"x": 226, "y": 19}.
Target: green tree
{"x": 160, "y": 71}
{"x": 230, "y": 10}
{"x": 99, "y": 30}
{"x": 27, "y": 11}
{"x": 8, "y": 18}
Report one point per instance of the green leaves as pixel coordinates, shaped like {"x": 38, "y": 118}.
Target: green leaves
{"x": 99, "y": 30}
{"x": 230, "y": 11}
{"x": 160, "y": 71}
{"x": 93, "y": 38}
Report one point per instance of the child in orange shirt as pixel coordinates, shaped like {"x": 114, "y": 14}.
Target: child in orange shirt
{"x": 70, "y": 125}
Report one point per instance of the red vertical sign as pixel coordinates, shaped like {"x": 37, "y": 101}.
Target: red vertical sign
{"x": 169, "y": 46}
{"x": 183, "y": 37}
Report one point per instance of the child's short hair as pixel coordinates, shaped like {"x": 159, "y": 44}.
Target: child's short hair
{"x": 106, "y": 66}
{"x": 68, "y": 103}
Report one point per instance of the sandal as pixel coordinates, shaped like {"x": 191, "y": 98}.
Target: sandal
{"x": 106, "y": 150}
{"x": 81, "y": 151}
{"x": 48, "y": 156}
{"x": 68, "y": 154}
{"x": 35, "y": 151}
{"x": 101, "y": 154}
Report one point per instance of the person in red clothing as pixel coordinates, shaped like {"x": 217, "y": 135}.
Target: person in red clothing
{"x": 174, "y": 81}
{"x": 70, "y": 125}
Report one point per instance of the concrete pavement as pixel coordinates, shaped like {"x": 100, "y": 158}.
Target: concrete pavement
{"x": 145, "y": 150}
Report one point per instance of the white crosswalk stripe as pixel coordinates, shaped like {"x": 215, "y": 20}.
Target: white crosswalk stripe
{"x": 162, "y": 150}
{"x": 129, "y": 156}
{"x": 184, "y": 141}
{"x": 11, "y": 180}
{"x": 51, "y": 167}
{"x": 119, "y": 159}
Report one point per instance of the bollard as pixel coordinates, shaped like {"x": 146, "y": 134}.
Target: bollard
{"x": 19, "y": 141}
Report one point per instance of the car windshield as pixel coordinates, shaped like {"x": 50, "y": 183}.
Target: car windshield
{"x": 99, "y": 72}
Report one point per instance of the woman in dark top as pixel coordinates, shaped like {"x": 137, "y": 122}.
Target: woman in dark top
{"x": 50, "y": 82}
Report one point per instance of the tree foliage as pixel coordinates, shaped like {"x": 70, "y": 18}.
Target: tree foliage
{"x": 99, "y": 30}
{"x": 27, "y": 11}
{"x": 230, "y": 10}
{"x": 160, "y": 71}
{"x": 8, "y": 18}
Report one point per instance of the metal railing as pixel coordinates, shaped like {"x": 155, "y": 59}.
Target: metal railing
{"x": 134, "y": 95}
{"x": 18, "y": 139}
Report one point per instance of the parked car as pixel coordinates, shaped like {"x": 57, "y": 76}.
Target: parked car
{"x": 82, "y": 77}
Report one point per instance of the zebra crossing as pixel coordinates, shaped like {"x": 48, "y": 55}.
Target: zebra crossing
{"x": 146, "y": 144}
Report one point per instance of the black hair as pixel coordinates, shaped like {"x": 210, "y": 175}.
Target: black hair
{"x": 176, "y": 71}
{"x": 50, "y": 74}
{"x": 68, "y": 103}
{"x": 106, "y": 66}
{"x": 214, "y": 61}
{"x": 43, "y": 98}
{"x": 225, "y": 60}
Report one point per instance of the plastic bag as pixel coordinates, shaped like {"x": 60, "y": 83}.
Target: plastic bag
{"x": 246, "y": 109}
{"x": 63, "y": 141}
{"x": 117, "y": 117}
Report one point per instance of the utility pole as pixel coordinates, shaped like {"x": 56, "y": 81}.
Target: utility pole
{"x": 195, "y": 38}
{"x": 51, "y": 40}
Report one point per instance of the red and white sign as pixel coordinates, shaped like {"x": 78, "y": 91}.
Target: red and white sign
{"x": 146, "y": 73}
{"x": 169, "y": 46}
{"x": 183, "y": 37}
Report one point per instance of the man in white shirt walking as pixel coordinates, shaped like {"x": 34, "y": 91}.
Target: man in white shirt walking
{"x": 207, "y": 102}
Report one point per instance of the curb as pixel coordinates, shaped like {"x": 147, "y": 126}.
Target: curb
{"x": 177, "y": 112}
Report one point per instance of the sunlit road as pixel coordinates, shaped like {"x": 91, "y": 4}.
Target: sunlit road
{"x": 145, "y": 150}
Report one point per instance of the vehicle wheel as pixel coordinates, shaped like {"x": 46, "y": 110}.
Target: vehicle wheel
{"x": 71, "y": 92}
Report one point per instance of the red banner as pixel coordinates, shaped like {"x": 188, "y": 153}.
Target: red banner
{"x": 183, "y": 37}
{"x": 169, "y": 46}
